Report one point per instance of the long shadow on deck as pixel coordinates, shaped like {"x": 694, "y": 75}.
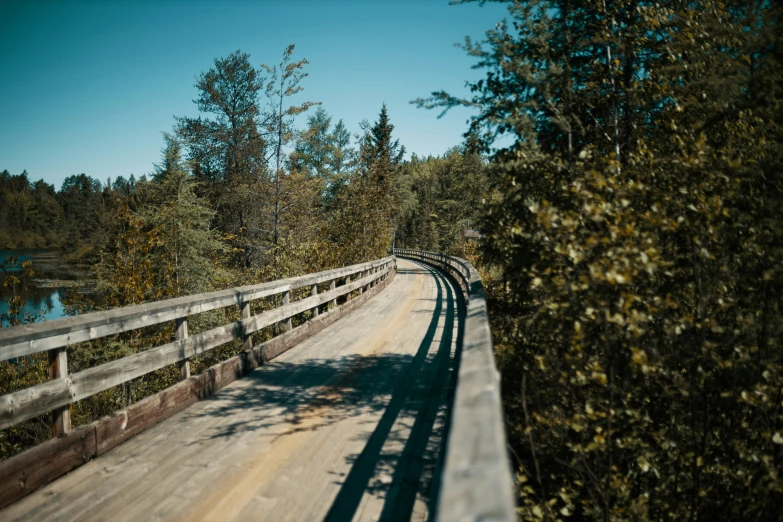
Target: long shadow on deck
{"x": 420, "y": 395}
{"x": 315, "y": 393}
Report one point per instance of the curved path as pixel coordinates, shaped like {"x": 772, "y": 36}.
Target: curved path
{"x": 345, "y": 426}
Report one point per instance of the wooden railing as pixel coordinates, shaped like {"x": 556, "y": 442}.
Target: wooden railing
{"x": 70, "y": 448}
{"x": 55, "y": 336}
{"x": 476, "y": 481}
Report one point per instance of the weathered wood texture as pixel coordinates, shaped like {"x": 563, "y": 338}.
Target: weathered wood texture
{"x": 38, "y": 466}
{"x": 476, "y": 480}
{"x": 32, "y": 469}
{"x": 38, "y": 337}
{"x": 60, "y": 392}
{"x": 182, "y": 334}
{"x": 58, "y": 369}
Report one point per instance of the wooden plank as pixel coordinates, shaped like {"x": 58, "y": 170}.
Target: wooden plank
{"x": 314, "y": 291}
{"x": 247, "y": 338}
{"x": 36, "y": 400}
{"x": 58, "y": 369}
{"x": 286, "y": 301}
{"x": 27, "y": 339}
{"x": 181, "y": 334}
{"x": 26, "y": 472}
{"x": 119, "y": 320}
{"x": 122, "y": 425}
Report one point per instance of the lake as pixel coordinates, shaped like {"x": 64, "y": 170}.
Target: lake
{"x": 52, "y": 279}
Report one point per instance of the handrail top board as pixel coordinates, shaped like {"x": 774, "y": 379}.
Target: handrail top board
{"x": 477, "y": 480}
{"x": 20, "y": 340}
{"x": 470, "y": 271}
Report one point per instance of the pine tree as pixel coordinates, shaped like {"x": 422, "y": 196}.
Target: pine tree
{"x": 183, "y": 224}
{"x": 284, "y": 82}
{"x": 379, "y": 154}
{"x": 228, "y": 145}
{"x": 325, "y": 153}
{"x": 367, "y": 209}
{"x": 227, "y": 152}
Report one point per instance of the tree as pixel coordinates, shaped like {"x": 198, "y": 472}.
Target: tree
{"x": 367, "y": 209}
{"x": 80, "y": 197}
{"x": 283, "y": 82}
{"x": 438, "y": 196}
{"x": 343, "y": 160}
{"x": 228, "y": 145}
{"x": 227, "y": 150}
{"x": 183, "y": 221}
{"x": 380, "y": 155}
{"x": 631, "y": 250}
{"x": 314, "y": 146}
{"x": 325, "y": 153}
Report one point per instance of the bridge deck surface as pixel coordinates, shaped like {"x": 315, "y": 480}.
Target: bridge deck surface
{"x": 345, "y": 426}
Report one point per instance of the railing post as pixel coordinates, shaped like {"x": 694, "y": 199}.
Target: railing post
{"x": 347, "y": 282}
{"x": 182, "y": 334}
{"x": 58, "y": 369}
{"x": 248, "y": 338}
{"x": 288, "y": 322}
{"x": 361, "y": 275}
{"x": 332, "y": 286}
{"x": 314, "y": 292}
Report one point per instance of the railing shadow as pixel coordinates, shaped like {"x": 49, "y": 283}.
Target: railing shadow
{"x": 420, "y": 396}
{"x": 411, "y": 390}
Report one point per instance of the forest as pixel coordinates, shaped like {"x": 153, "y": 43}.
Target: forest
{"x": 623, "y": 165}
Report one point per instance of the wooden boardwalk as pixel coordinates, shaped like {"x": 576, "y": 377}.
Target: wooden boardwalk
{"x": 345, "y": 426}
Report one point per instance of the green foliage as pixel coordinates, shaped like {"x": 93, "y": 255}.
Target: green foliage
{"x": 283, "y": 83}
{"x": 227, "y": 151}
{"x": 227, "y": 145}
{"x": 183, "y": 222}
{"x": 438, "y": 196}
{"x": 22, "y": 372}
{"x": 325, "y": 153}
{"x": 633, "y": 251}
{"x": 366, "y": 209}
{"x": 30, "y": 213}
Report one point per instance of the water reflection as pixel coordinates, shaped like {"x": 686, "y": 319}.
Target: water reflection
{"x": 44, "y": 303}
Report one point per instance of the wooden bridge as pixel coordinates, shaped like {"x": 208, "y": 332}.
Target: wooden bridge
{"x": 391, "y": 413}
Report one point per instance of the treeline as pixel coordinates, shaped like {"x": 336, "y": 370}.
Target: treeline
{"x": 276, "y": 197}
{"x": 633, "y": 249}
{"x": 36, "y": 215}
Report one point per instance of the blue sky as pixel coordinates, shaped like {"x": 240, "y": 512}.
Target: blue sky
{"x": 88, "y": 86}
